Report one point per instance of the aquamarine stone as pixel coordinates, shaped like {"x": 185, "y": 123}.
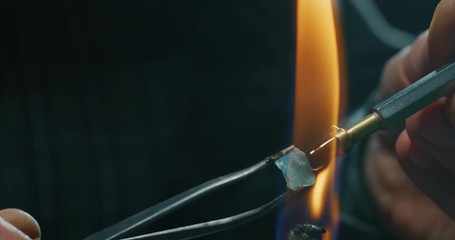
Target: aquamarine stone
{"x": 296, "y": 169}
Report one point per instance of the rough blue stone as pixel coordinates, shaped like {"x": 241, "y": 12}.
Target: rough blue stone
{"x": 296, "y": 169}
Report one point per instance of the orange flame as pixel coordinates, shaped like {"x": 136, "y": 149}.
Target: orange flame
{"x": 317, "y": 101}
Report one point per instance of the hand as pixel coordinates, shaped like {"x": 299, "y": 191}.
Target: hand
{"x": 412, "y": 175}
{"x": 18, "y": 225}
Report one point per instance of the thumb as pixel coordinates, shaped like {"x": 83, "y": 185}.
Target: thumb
{"x": 441, "y": 47}
{"x": 17, "y": 224}
{"x": 431, "y": 50}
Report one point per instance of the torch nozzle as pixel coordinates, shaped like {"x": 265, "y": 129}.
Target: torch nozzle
{"x": 396, "y": 108}
{"x": 357, "y": 132}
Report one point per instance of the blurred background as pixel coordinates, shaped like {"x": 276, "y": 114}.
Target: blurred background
{"x": 109, "y": 107}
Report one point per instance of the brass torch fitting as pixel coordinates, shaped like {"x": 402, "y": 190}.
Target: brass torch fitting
{"x": 358, "y": 131}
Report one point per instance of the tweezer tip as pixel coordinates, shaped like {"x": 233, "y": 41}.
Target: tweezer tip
{"x": 279, "y": 154}
{"x": 288, "y": 149}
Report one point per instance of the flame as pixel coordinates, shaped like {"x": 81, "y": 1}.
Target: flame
{"x": 317, "y": 101}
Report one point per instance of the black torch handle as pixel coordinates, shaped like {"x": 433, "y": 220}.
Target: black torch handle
{"x": 416, "y": 96}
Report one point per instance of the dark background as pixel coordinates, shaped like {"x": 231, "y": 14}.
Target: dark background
{"x": 108, "y": 107}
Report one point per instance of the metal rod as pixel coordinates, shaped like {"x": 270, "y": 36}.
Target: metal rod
{"x": 400, "y": 106}
{"x": 418, "y": 95}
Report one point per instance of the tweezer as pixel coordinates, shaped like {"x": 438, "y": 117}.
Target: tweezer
{"x": 149, "y": 215}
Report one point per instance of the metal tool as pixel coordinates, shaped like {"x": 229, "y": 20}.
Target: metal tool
{"x": 124, "y": 228}
{"x": 397, "y": 108}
